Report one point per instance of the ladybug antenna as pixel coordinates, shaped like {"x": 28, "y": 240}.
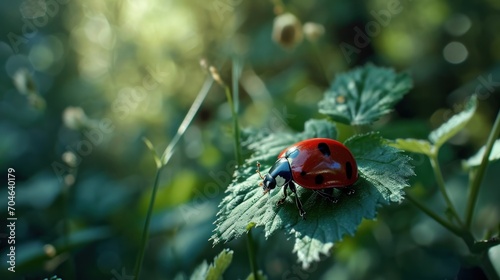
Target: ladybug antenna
{"x": 258, "y": 171}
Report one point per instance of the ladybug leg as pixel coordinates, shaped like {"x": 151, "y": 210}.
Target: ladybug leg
{"x": 282, "y": 200}
{"x": 328, "y": 194}
{"x": 297, "y": 200}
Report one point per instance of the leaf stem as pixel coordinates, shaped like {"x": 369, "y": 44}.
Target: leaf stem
{"x": 251, "y": 254}
{"x": 145, "y": 231}
{"x": 442, "y": 187}
{"x": 476, "y": 181}
{"x": 434, "y": 215}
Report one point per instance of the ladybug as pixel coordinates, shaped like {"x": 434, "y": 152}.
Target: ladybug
{"x": 318, "y": 164}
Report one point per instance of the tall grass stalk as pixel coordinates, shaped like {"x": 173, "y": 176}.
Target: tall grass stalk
{"x": 166, "y": 156}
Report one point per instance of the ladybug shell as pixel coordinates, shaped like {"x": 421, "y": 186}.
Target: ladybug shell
{"x": 320, "y": 163}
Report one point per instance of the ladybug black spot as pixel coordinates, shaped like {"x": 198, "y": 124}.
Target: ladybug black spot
{"x": 303, "y": 173}
{"x": 318, "y": 179}
{"x": 348, "y": 170}
{"x": 324, "y": 149}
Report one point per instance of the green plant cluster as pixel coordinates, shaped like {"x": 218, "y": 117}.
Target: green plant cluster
{"x": 364, "y": 94}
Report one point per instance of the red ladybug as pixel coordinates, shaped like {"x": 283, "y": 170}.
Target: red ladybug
{"x": 319, "y": 164}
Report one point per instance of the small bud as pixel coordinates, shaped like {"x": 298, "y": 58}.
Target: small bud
{"x": 313, "y": 31}
{"x": 204, "y": 64}
{"x": 23, "y": 81}
{"x": 287, "y": 30}
{"x": 69, "y": 158}
{"x": 215, "y": 75}
{"x": 49, "y": 250}
{"x": 74, "y": 118}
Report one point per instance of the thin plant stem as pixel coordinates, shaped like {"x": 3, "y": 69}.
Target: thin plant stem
{"x": 145, "y": 231}
{"x": 236, "y": 72}
{"x": 167, "y": 154}
{"x": 434, "y": 215}
{"x": 251, "y": 254}
{"x": 442, "y": 188}
{"x": 236, "y": 128}
{"x": 478, "y": 177}
{"x": 237, "y": 146}
{"x": 187, "y": 119}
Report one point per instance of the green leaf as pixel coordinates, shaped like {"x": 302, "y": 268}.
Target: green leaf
{"x": 413, "y": 146}
{"x": 454, "y": 124}
{"x": 383, "y": 175}
{"x": 385, "y": 167}
{"x": 475, "y": 160}
{"x": 221, "y": 263}
{"x": 365, "y": 94}
{"x": 215, "y": 270}
{"x": 200, "y": 272}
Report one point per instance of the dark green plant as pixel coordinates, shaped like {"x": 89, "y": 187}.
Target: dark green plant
{"x": 357, "y": 98}
{"x": 476, "y": 167}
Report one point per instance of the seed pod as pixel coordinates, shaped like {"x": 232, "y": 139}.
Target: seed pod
{"x": 313, "y": 31}
{"x": 74, "y": 118}
{"x": 287, "y": 30}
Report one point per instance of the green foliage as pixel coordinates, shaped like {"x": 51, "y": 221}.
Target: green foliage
{"x": 413, "y": 145}
{"x": 365, "y": 94}
{"x": 475, "y": 160}
{"x": 220, "y": 264}
{"x": 456, "y": 123}
{"x": 478, "y": 248}
{"x": 215, "y": 270}
{"x": 440, "y": 135}
{"x": 383, "y": 175}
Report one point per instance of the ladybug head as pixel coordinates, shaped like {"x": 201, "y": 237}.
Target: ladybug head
{"x": 268, "y": 182}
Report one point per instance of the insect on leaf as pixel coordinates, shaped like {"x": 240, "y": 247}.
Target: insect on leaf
{"x": 383, "y": 175}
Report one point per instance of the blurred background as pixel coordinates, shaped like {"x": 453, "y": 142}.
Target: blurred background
{"x": 81, "y": 82}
